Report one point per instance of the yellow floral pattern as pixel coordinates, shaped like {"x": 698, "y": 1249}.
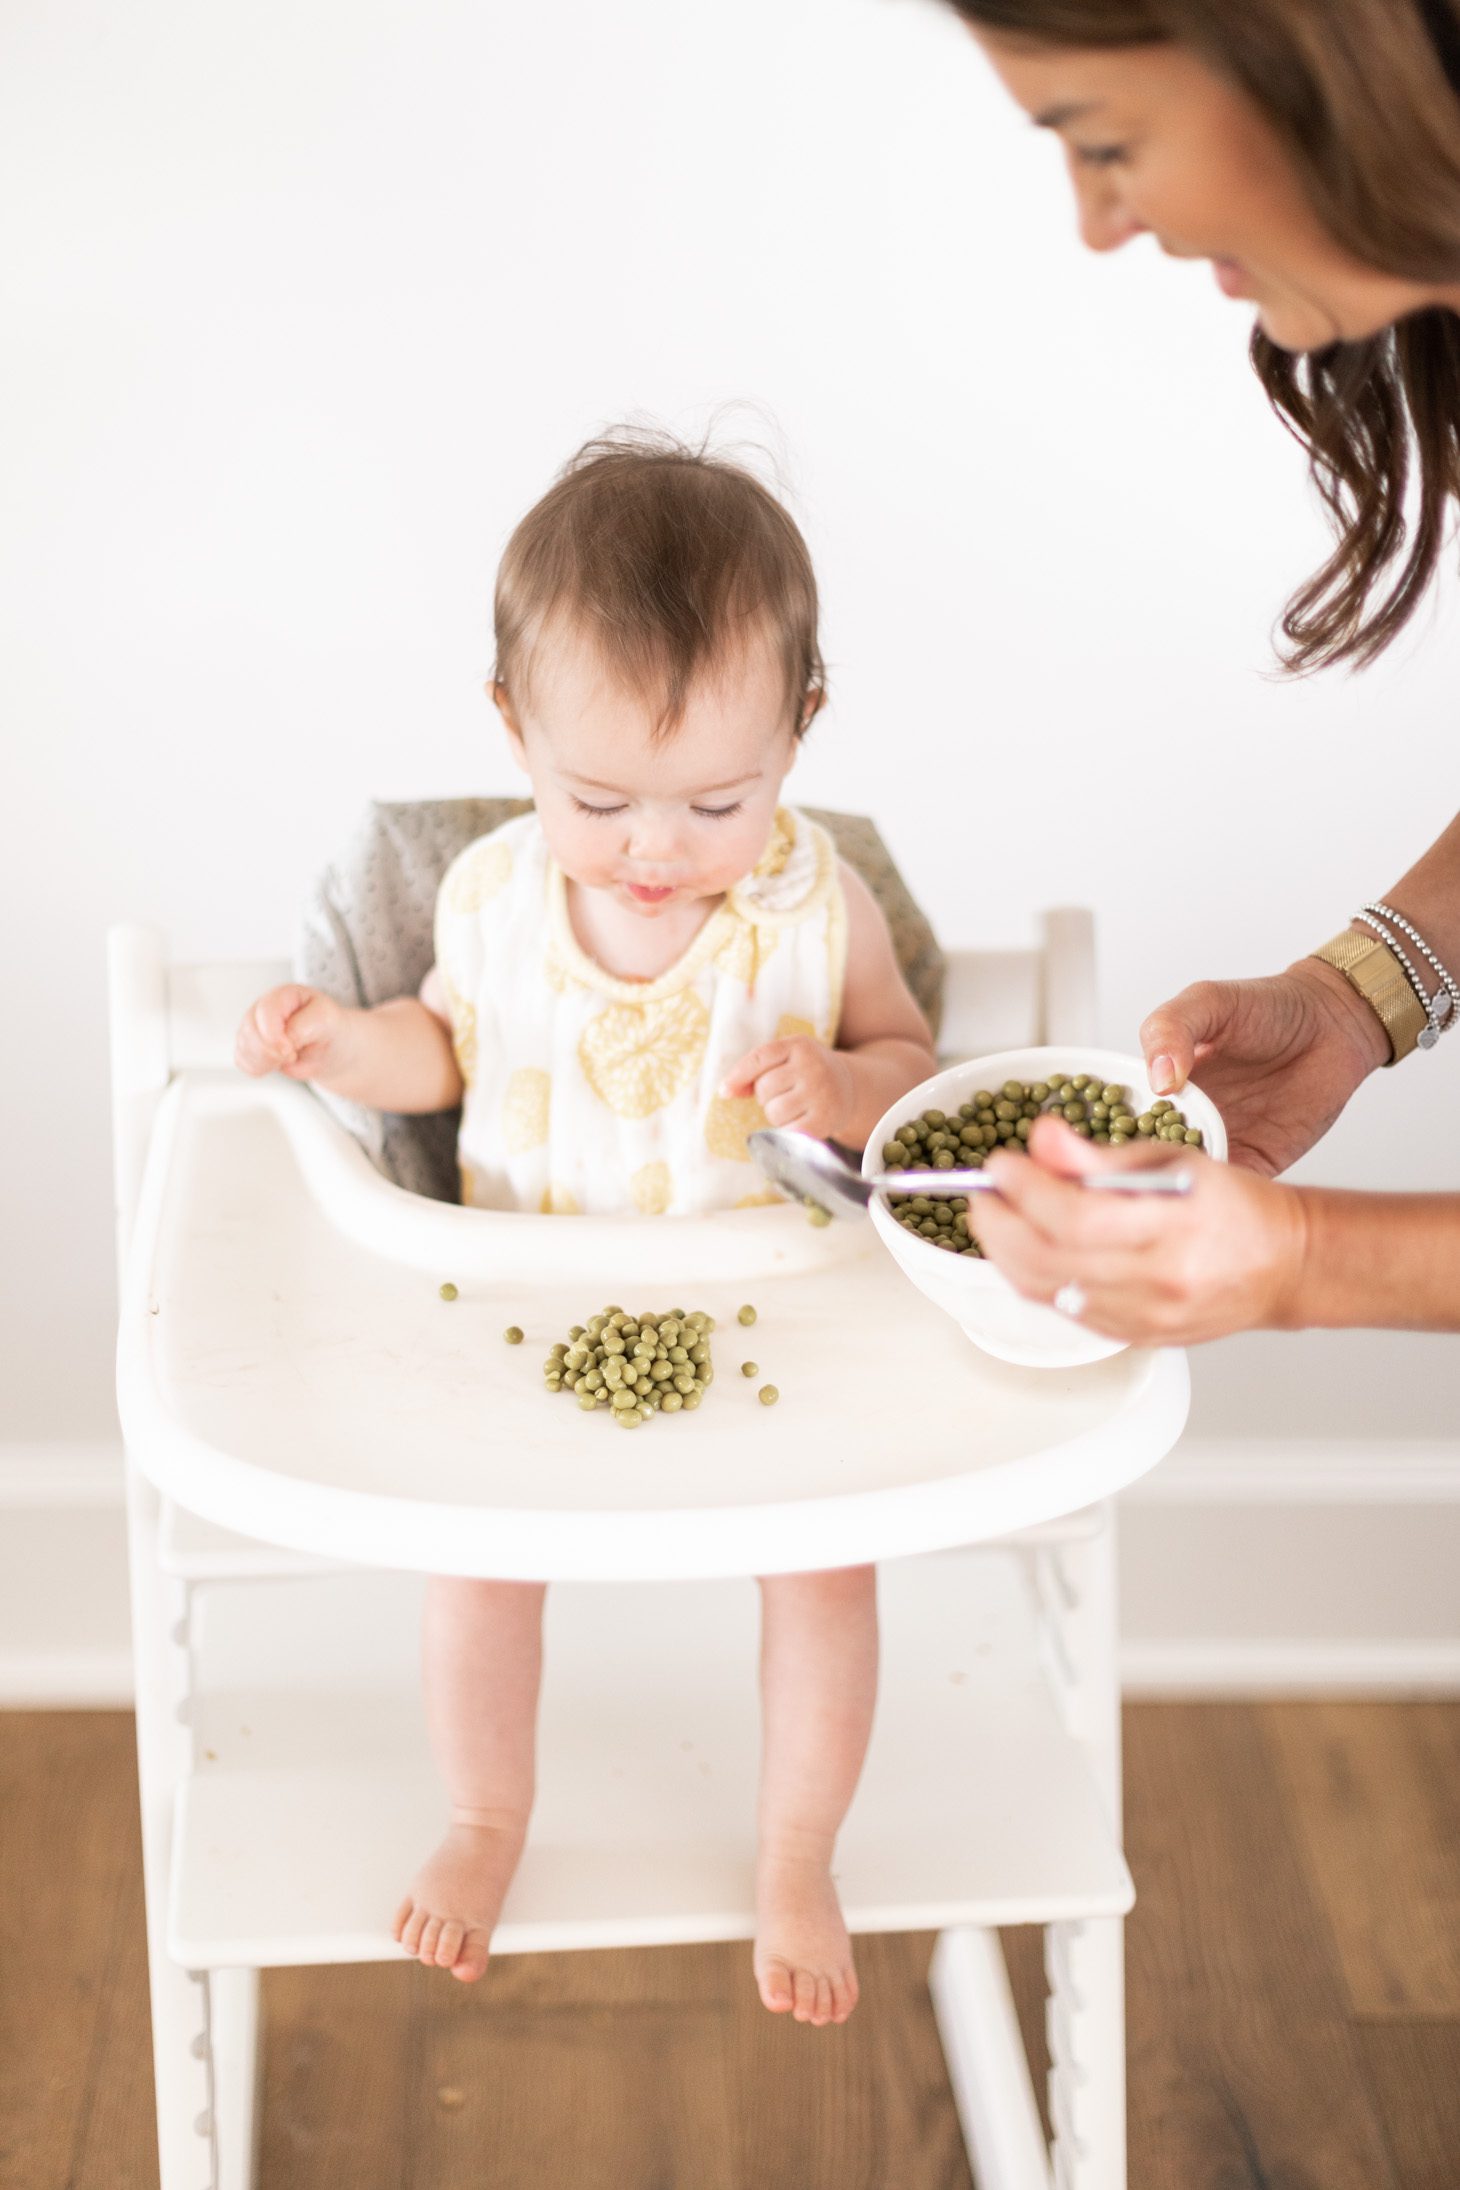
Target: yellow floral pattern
{"x": 730, "y": 1119}
{"x": 638, "y": 1057}
{"x": 525, "y": 1109}
{"x": 789, "y": 1028}
{"x": 558, "y": 1201}
{"x": 745, "y": 953}
{"x": 478, "y": 877}
{"x": 463, "y": 1032}
{"x": 652, "y": 1187}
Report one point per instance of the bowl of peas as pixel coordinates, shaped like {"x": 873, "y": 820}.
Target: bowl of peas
{"x": 956, "y": 1120}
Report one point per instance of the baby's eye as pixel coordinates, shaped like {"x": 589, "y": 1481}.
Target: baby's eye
{"x": 1099, "y": 155}
{"x": 602, "y": 812}
{"x": 719, "y": 813}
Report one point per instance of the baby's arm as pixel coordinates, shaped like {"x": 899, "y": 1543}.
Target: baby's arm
{"x": 396, "y": 1056}
{"x": 884, "y": 1046}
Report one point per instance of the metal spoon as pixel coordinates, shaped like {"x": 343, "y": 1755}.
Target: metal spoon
{"x": 810, "y": 1170}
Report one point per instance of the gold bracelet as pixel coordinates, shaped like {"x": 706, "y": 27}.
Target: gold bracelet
{"x": 1372, "y": 968}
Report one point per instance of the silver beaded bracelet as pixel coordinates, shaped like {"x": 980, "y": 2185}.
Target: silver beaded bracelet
{"x": 1436, "y": 1020}
{"x": 1447, "y": 996}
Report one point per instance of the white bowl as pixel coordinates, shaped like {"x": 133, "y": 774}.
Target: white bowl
{"x": 980, "y": 1300}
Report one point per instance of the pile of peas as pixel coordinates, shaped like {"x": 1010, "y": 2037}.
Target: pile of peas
{"x": 635, "y": 1366}
{"x": 939, "y": 1142}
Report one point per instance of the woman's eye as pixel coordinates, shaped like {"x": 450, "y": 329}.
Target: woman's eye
{"x": 719, "y": 813}
{"x": 601, "y": 812}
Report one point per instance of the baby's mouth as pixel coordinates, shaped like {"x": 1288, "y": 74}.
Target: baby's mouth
{"x": 644, "y": 894}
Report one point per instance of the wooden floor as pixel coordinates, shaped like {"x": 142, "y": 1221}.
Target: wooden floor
{"x": 1294, "y": 2006}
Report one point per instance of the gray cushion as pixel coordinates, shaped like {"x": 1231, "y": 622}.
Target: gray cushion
{"x": 368, "y": 936}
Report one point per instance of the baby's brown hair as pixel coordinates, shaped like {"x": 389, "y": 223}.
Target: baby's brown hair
{"x": 666, "y": 558}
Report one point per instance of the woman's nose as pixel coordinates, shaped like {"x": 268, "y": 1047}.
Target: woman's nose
{"x": 1105, "y": 220}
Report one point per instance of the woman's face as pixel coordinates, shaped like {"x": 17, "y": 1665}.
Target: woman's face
{"x": 1155, "y": 141}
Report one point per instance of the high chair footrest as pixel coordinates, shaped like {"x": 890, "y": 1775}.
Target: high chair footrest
{"x": 313, "y": 1799}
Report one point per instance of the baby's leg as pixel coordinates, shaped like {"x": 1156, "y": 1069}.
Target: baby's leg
{"x": 482, "y": 1661}
{"x": 818, "y": 1686}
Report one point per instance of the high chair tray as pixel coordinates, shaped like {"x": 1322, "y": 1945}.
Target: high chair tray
{"x": 312, "y": 1799}
{"x": 288, "y": 1369}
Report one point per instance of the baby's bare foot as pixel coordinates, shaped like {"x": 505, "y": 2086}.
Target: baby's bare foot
{"x": 803, "y": 1953}
{"x": 448, "y": 1917}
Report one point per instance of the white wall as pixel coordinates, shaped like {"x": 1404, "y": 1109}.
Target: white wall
{"x": 305, "y": 306}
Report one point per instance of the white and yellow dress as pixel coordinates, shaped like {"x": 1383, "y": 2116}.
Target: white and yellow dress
{"x": 587, "y": 1094}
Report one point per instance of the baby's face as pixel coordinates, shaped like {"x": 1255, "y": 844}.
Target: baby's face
{"x": 653, "y": 822}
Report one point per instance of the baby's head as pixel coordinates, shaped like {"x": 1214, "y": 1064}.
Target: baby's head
{"x": 657, "y": 666}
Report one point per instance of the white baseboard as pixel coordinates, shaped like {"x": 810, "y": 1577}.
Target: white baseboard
{"x": 1257, "y": 1569}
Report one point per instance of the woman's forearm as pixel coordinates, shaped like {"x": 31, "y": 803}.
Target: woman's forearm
{"x": 1428, "y": 896}
{"x": 1377, "y": 1261}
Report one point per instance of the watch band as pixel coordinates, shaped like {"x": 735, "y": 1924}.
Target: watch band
{"x": 1371, "y": 967}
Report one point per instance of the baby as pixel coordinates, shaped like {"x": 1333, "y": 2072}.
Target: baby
{"x": 656, "y": 960}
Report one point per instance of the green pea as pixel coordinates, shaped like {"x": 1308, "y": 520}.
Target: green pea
{"x": 448, "y": 1290}
{"x": 671, "y": 1403}
{"x": 587, "y": 1400}
{"x": 750, "y": 1368}
{"x": 817, "y": 1215}
{"x": 622, "y": 1399}
{"x": 513, "y": 1334}
{"x": 768, "y": 1395}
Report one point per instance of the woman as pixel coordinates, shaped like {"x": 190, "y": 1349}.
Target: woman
{"x": 1310, "y": 150}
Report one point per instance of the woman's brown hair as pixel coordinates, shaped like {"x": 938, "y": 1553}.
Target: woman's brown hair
{"x": 1365, "y": 97}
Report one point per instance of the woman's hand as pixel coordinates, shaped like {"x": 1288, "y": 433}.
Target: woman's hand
{"x": 1157, "y": 1271}
{"x": 1279, "y": 1057}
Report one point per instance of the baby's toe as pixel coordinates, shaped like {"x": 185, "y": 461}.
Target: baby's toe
{"x": 805, "y": 1987}
{"x": 776, "y": 1989}
{"x": 401, "y": 1918}
{"x": 431, "y": 1932}
{"x": 844, "y": 1994}
{"x": 448, "y": 1946}
{"x": 822, "y": 2011}
{"x": 471, "y": 1962}
{"x": 415, "y": 1924}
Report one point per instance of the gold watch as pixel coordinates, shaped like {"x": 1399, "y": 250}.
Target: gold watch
{"x": 1370, "y": 967}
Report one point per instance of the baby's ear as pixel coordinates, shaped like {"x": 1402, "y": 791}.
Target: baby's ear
{"x": 501, "y": 699}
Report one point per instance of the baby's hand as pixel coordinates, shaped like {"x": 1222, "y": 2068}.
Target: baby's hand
{"x": 798, "y": 1082}
{"x": 294, "y": 1030}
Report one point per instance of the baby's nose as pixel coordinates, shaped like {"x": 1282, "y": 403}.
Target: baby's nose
{"x": 655, "y": 839}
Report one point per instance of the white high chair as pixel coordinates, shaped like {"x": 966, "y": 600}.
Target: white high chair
{"x": 310, "y": 1428}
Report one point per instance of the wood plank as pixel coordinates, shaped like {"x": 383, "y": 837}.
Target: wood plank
{"x": 341, "y": 2076}
{"x": 73, "y": 2017}
{"x": 862, "y": 2107}
{"x": 1243, "y": 2067}
{"x": 1414, "y": 2069}
{"x": 596, "y": 2096}
{"x": 1375, "y": 1792}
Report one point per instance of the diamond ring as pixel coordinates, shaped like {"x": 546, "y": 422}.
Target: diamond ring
{"x": 1070, "y": 1300}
